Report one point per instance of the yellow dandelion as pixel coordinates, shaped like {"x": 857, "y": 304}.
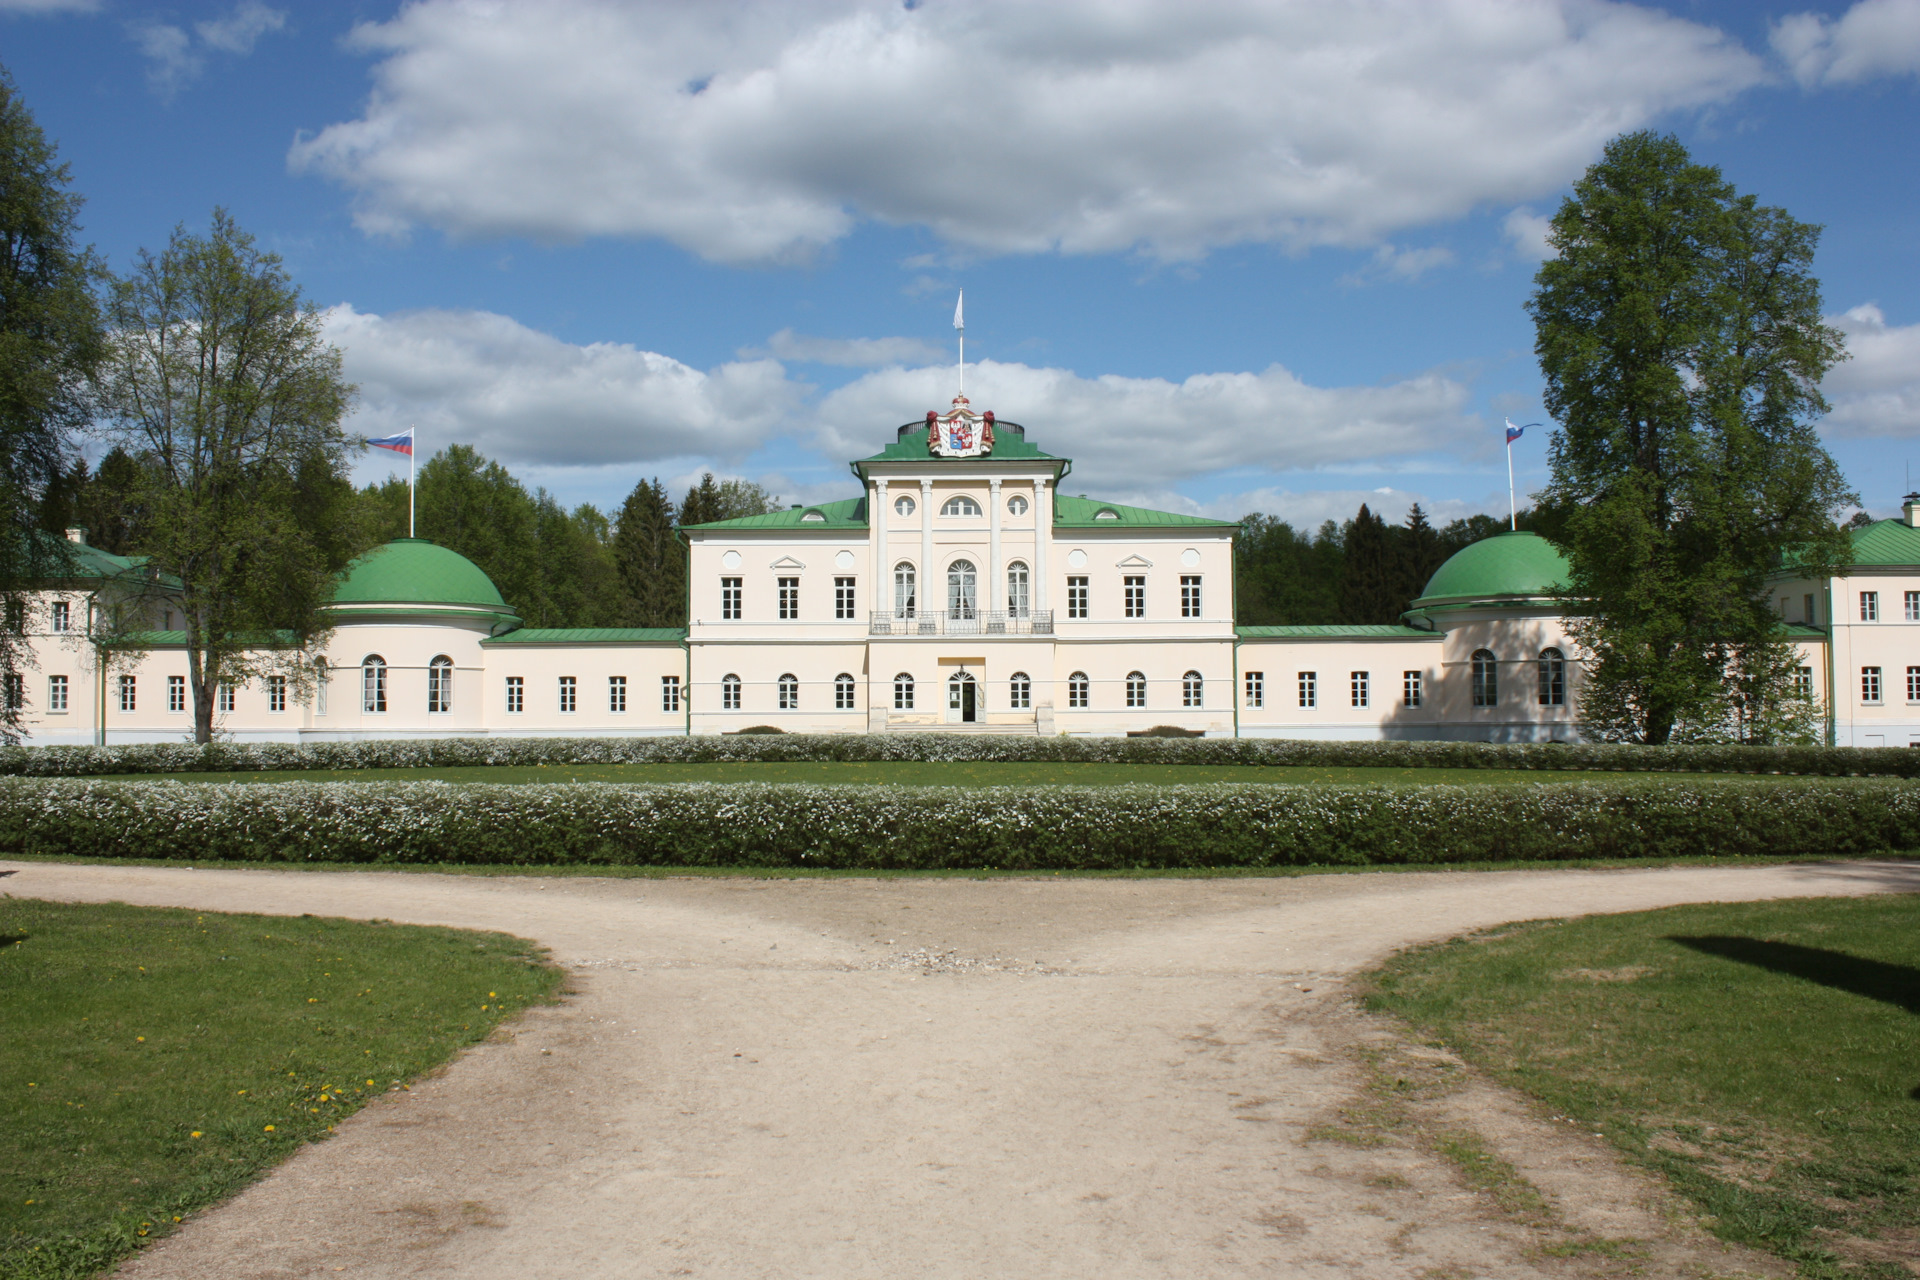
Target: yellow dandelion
{"x": 140, "y": 1039}
{"x": 196, "y": 1133}
{"x": 492, "y": 994}
{"x": 369, "y": 1082}
{"x": 269, "y": 1129}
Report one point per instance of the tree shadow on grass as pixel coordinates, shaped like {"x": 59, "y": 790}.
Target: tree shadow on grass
{"x": 1894, "y": 984}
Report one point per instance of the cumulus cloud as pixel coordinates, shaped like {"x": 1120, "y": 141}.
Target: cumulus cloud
{"x": 762, "y": 130}
{"x": 517, "y": 394}
{"x": 851, "y": 353}
{"x": 1873, "y": 38}
{"x": 1119, "y": 429}
{"x": 1393, "y": 263}
{"x": 1526, "y": 231}
{"x": 175, "y": 58}
{"x": 1877, "y": 392}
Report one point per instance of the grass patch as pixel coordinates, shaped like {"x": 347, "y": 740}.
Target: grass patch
{"x": 156, "y": 1060}
{"x": 926, "y": 773}
{"x": 1764, "y": 1057}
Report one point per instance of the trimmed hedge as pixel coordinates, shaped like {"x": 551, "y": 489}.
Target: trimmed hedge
{"x": 224, "y": 757}
{"x": 878, "y": 827}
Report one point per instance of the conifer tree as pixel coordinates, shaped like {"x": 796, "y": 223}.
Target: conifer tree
{"x": 1370, "y": 587}
{"x": 649, "y": 558}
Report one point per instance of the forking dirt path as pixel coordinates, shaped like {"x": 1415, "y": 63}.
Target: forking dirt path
{"x": 934, "y": 1078}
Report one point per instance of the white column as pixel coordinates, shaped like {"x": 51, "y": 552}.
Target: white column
{"x": 877, "y": 522}
{"x": 925, "y": 589}
{"x": 995, "y": 587}
{"x": 1042, "y": 535}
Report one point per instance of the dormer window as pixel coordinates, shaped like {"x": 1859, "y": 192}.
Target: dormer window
{"x": 814, "y": 517}
{"x": 960, "y": 505}
{"x": 1106, "y": 513}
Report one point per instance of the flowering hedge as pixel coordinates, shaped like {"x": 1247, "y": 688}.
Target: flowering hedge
{"x": 223, "y": 757}
{"x": 869, "y": 827}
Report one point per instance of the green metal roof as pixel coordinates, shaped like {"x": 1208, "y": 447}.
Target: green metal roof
{"x": 848, "y": 513}
{"x": 416, "y": 571}
{"x": 1886, "y": 542}
{"x": 1074, "y": 513}
{"x": 1355, "y": 631}
{"x": 1502, "y": 568}
{"x": 178, "y": 639}
{"x": 591, "y": 635}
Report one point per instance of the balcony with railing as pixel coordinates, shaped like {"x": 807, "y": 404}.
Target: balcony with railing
{"x": 960, "y": 622}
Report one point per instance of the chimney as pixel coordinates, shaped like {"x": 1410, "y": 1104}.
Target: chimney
{"x": 77, "y": 535}
{"x": 1910, "y": 510}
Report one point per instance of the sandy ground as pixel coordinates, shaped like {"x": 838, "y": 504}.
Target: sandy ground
{"x": 938, "y": 1078}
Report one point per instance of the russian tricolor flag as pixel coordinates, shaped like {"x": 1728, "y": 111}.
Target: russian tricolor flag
{"x": 1513, "y": 432}
{"x": 402, "y": 443}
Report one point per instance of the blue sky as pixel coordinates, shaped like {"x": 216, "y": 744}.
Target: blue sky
{"x": 1228, "y": 257}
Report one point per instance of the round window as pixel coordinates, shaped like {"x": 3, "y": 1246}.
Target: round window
{"x": 904, "y": 506}
{"x": 1016, "y": 505}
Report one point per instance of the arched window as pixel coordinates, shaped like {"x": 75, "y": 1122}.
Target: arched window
{"x": 903, "y": 603}
{"x": 440, "y": 685}
{"x": 1553, "y": 678}
{"x": 729, "y": 692}
{"x": 1486, "y": 679}
{"x": 1017, "y": 505}
{"x": 961, "y": 582}
{"x": 843, "y": 692}
{"x": 1136, "y": 689}
{"x": 903, "y": 505}
{"x": 1019, "y": 691}
{"x": 903, "y": 692}
{"x": 1077, "y": 689}
{"x": 373, "y": 683}
{"x": 1106, "y": 513}
{"x": 1191, "y": 688}
{"x": 960, "y": 505}
{"x": 320, "y": 686}
{"x": 789, "y": 692}
{"x": 1017, "y": 599}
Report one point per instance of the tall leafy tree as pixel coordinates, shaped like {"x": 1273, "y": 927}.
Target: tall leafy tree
{"x": 471, "y": 504}
{"x": 651, "y": 561}
{"x": 1678, "y": 328}
{"x": 51, "y": 343}
{"x": 1283, "y": 577}
{"x": 221, "y": 387}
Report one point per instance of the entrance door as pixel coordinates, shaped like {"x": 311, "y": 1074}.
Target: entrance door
{"x": 963, "y": 696}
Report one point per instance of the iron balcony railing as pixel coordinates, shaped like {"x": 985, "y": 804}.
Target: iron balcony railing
{"x": 968, "y": 622}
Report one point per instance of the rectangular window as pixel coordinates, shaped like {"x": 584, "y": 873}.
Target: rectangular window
{"x": 569, "y": 694}
{"x": 1076, "y": 597}
{"x": 1913, "y": 606}
{"x": 1136, "y": 596}
{"x": 1079, "y": 689}
{"x": 1309, "y": 689}
{"x": 1256, "y": 688}
{"x": 16, "y": 691}
{"x": 843, "y": 691}
{"x": 63, "y": 615}
{"x": 1870, "y": 684}
{"x": 126, "y": 693}
{"x": 1803, "y": 682}
{"x": 516, "y": 694}
{"x": 1359, "y": 683}
{"x": 176, "y": 693}
{"x": 1913, "y": 682}
{"x": 56, "y": 693}
{"x": 276, "y": 693}
{"x": 1811, "y": 620}
{"x": 843, "y": 599}
{"x": 616, "y": 694}
{"x": 224, "y": 696}
{"x": 789, "y": 599}
{"x": 730, "y": 599}
{"x": 1869, "y": 606}
{"x": 903, "y": 692}
{"x": 1189, "y": 595}
{"x": 669, "y": 693}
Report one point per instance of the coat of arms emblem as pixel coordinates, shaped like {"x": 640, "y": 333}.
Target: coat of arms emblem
{"x": 960, "y": 432}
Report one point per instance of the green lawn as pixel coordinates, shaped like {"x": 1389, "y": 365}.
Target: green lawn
{"x": 915, "y": 773}
{"x": 1764, "y": 1057}
{"x": 154, "y": 1061}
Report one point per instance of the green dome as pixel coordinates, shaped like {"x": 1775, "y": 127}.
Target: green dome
{"x": 1498, "y": 568}
{"x": 414, "y": 571}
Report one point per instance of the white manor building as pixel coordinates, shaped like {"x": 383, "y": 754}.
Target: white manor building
{"x": 960, "y": 591}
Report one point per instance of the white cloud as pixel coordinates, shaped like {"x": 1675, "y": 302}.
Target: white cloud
{"x": 1877, "y": 392}
{"x": 174, "y": 60}
{"x": 1392, "y": 263}
{"x": 1873, "y": 38}
{"x": 763, "y": 130}
{"x": 476, "y": 378}
{"x": 1527, "y": 232}
{"x": 1119, "y": 429}
{"x": 852, "y": 353}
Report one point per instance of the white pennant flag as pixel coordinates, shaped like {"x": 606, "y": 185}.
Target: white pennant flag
{"x": 959, "y": 320}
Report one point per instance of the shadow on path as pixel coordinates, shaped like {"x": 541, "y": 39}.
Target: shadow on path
{"x": 1894, "y": 984}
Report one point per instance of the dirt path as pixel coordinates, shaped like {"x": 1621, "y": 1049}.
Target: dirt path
{"x": 931, "y": 1078}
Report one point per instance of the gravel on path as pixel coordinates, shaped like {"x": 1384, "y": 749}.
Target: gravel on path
{"x": 937, "y": 1078}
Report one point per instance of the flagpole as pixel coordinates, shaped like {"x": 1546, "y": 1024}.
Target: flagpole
{"x": 1513, "y": 517}
{"x": 413, "y": 439}
{"x": 960, "y": 323}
